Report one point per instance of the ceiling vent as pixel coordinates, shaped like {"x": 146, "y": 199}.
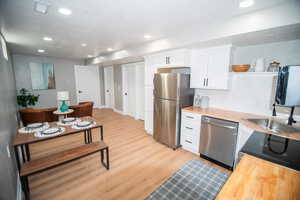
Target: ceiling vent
{"x": 41, "y": 6}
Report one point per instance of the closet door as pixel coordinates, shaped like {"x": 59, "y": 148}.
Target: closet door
{"x": 109, "y": 87}
{"x": 129, "y": 90}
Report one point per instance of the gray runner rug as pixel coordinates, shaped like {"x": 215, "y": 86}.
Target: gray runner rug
{"x": 196, "y": 180}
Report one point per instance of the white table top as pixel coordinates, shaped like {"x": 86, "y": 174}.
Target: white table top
{"x": 58, "y": 112}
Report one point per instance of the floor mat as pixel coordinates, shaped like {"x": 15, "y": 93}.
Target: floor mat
{"x": 196, "y": 180}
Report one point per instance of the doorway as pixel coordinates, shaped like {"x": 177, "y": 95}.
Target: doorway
{"x": 87, "y": 84}
{"x": 133, "y": 90}
{"x": 109, "y": 87}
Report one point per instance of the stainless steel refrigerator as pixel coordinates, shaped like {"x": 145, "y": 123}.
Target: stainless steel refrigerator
{"x": 171, "y": 93}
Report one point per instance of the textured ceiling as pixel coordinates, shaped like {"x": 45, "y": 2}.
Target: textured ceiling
{"x": 100, "y": 24}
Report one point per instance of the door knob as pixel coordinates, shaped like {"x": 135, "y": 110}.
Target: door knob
{"x": 107, "y": 90}
{"x": 126, "y": 93}
{"x": 79, "y": 91}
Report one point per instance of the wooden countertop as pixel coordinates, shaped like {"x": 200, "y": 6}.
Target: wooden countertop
{"x": 237, "y": 117}
{"x": 257, "y": 179}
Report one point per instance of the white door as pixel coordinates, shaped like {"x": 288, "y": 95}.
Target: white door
{"x": 109, "y": 87}
{"x": 129, "y": 89}
{"x": 87, "y": 84}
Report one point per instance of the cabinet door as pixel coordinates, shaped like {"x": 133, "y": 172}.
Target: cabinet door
{"x": 218, "y": 68}
{"x": 177, "y": 58}
{"x": 243, "y": 135}
{"x": 199, "y": 64}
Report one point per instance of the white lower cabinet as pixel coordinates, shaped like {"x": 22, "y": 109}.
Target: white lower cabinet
{"x": 190, "y": 131}
{"x": 243, "y": 135}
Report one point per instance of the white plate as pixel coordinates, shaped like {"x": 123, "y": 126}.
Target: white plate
{"x": 84, "y": 123}
{"x": 50, "y": 131}
{"x": 69, "y": 119}
{"x": 35, "y": 125}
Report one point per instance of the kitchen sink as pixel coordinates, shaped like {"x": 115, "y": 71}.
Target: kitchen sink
{"x": 274, "y": 125}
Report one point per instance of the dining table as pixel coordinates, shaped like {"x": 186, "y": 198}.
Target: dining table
{"x": 23, "y": 140}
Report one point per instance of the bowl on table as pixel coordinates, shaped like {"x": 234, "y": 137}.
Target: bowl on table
{"x": 241, "y": 68}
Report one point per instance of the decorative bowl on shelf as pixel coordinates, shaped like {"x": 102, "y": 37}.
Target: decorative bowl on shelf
{"x": 240, "y": 68}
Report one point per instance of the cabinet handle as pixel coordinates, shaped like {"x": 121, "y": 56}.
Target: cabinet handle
{"x": 190, "y": 117}
{"x": 206, "y": 82}
{"x": 168, "y": 60}
{"x": 188, "y": 141}
{"x": 189, "y": 128}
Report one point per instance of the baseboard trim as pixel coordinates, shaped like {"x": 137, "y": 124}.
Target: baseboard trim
{"x": 118, "y": 111}
{"x": 19, "y": 189}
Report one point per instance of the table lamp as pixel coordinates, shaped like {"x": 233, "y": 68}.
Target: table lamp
{"x": 63, "y": 96}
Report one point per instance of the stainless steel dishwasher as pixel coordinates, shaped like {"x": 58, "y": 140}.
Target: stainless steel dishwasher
{"x": 218, "y": 140}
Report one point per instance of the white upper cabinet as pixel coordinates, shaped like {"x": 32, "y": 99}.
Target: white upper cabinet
{"x": 210, "y": 68}
{"x": 167, "y": 59}
{"x": 178, "y": 57}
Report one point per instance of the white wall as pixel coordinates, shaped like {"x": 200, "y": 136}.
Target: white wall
{"x": 287, "y": 53}
{"x": 255, "y": 93}
{"x": 8, "y": 127}
{"x": 64, "y": 77}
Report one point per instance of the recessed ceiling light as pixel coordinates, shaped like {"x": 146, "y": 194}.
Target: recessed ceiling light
{"x": 65, "y": 11}
{"x": 41, "y": 50}
{"x": 109, "y": 49}
{"x": 41, "y": 6}
{"x": 147, "y": 36}
{"x": 246, "y": 3}
{"x": 89, "y": 56}
{"x": 47, "y": 38}
{"x": 83, "y": 45}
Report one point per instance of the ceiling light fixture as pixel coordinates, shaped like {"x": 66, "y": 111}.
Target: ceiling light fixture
{"x": 147, "y": 36}
{"x": 64, "y": 11}
{"x": 47, "y": 38}
{"x": 41, "y": 6}
{"x": 83, "y": 45}
{"x": 109, "y": 49}
{"x": 246, "y": 3}
{"x": 41, "y": 50}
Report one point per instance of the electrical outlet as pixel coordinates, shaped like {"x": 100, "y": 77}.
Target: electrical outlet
{"x": 8, "y": 151}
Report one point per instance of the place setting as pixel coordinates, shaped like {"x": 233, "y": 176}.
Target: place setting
{"x": 50, "y": 132}
{"x": 68, "y": 121}
{"x": 34, "y": 127}
{"x": 83, "y": 125}
{"x": 41, "y": 130}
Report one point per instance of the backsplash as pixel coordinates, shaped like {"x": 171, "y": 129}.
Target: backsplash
{"x": 249, "y": 93}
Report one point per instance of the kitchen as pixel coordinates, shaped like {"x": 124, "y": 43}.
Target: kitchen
{"x": 183, "y": 99}
{"x": 239, "y": 122}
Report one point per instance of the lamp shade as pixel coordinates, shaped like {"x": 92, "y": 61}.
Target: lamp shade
{"x": 63, "y": 95}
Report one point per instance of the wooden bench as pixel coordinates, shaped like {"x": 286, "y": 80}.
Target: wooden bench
{"x": 57, "y": 159}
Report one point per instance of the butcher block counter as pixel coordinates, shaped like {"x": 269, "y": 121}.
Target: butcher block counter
{"x": 257, "y": 179}
{"x": 237, "y": 117}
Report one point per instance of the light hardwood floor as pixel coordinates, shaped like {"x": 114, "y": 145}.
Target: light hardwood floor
{"x": 138, "y": 164}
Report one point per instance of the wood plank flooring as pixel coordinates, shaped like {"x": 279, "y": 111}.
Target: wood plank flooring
{"x": 138, "y": 164}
